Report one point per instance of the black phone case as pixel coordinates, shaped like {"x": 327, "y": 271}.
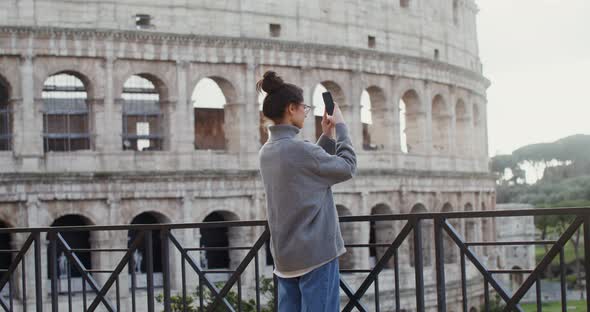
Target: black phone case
{"x": 329, "y": 102}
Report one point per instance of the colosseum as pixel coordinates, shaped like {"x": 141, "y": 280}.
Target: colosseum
{"x": 110, "y": 113}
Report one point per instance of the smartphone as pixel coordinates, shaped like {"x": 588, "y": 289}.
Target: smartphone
{"x": 329, "y": 102}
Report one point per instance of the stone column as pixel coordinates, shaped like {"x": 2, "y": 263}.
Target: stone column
{"x": 394, "y": 116}
{"x": 31, "y": 219}
{"x": 427, "y": 128}
{"x": 352, "y": 112}
{"x": 180, "y": 118}
{"x": 250, "y": 121}
{"x": 361, "y": 230}
{"x": 308, "y": 131}
{"x": 28, "y": 123}
{"x": 109, "y": 132}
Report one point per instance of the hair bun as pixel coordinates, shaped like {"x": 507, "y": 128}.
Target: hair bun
{"x": 270, "y": 82}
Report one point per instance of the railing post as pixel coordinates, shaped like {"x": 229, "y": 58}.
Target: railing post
{"x": 165, "y": 268}
{"x": 440, "y": 265}
{"x": 562, "y": 280}
{"x": 149, "y": 260}
{"x": 418, "y": 265}
{"x": 53, "y": 270}
{"x": 587, "y": 258}
{"x": 38, "y": 283}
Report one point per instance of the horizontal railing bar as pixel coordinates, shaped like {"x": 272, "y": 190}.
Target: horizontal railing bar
{"x": 217, "y": 271}
{"x": 9, "y": 250}
{"x": 216, "y": 248}
{"x": 546, "y": 242}
{"x": 578, "y": 211}
{"x": 138, "y": 227}
{"x": 354, "y": 271}
{"x": 510, "y": 271}
{"x": 366, "y": 245}
{"x": 99, "y": 249}
{"x": 98, "y": 271}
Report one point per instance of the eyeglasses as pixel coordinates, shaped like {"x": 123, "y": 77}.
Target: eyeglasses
{"x": 306, "y": 108}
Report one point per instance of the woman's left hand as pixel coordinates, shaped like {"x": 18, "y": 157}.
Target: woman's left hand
{"x": 327, "y": 126}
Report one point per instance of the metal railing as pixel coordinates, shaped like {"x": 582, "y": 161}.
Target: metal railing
{"x": 101, "y": 294}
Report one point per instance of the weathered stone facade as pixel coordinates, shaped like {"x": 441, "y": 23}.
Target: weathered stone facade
{"x": 423, "y": 53}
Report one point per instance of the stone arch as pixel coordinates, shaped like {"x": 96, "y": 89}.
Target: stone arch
{"x": 427, "y": 234}
{"x": 211, "y": 97}
{"x": 411, "y": 120}
{"x": 318, "y": 103}
{"x": 144, "y": 115}
{"x": 148, "y": 217}
{"x": 450, "y": 250}
{"x": 89, "y": 85}
{"x": 440, "y": 125}
{"x": 462, "y": 128}
{"x": 67, "y": 122}
{"x": 381, "y": 232}
{"x": 6, "y": 244}
{"x": 6, "y": 116}
{"x": 373, "y": 99}
{"x": 219, "y": 237}
{"x": 347, "y": 230}
{"x": 75, "y": 239}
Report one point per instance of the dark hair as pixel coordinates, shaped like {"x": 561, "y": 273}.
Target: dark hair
{"x": 279, "y": 95}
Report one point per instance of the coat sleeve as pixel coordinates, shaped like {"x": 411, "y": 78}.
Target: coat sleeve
{"x": 329, "y": 145}
{"x": 333, "y": 169}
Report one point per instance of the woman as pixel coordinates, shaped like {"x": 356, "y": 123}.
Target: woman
{"x": 298, "y": 175}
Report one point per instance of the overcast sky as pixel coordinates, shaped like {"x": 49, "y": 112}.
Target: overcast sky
{"x": 537, "y": 55}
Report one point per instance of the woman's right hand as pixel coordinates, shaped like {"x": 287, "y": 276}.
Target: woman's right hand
{"x": 336, "y": 117}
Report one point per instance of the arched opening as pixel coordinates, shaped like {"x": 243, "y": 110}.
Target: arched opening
{"x": 449, "y": 248}
{"x": 462, "y": 128}
{"x": 143, "y": 118}
{"x": 440, "y": 125}
{"x": 5, "y": 247}
{"x": 66, "y": 122}
{"x": 347, "y": 230}
{"x": 372, "y": 103}
{"x": 5, "y": 117}
{"x": 404, "y": 3}
{"x": 140, "y": 254}
{"x": 75, "y": 240}
{"x": 409, "y": 120}
{"x": 381, "y": 232}
{"x": 470, "y": 225}
{"x": 427, "y": 237}
{"x": 318, "y": 102}
{"x": 218, "y": 237}
{"x": 210, "y": 98}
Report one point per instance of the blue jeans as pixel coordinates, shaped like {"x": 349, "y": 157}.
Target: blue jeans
{"x": 316, "y": 291}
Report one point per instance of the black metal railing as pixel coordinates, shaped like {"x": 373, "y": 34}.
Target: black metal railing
{"x": 104, "y": 288}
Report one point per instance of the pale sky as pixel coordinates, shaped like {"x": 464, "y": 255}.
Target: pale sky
{"x": 537, "y": 55}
